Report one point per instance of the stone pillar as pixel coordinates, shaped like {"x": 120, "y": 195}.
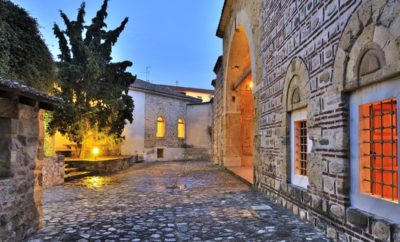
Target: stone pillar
{"x": 21, "y": 180}
{"x": 38, "y": 172}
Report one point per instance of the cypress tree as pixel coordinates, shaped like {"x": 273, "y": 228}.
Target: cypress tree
{"x": 94, "y": 89}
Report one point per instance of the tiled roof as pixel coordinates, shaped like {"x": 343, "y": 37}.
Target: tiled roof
{"x": 147, "y": 86}
{"x": 189, "y": 89}
{"x": 26, "y": 91}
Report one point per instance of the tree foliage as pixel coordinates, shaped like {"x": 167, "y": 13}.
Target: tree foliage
{"x": 94, "y": 89}
{"x": 23, "y": 54}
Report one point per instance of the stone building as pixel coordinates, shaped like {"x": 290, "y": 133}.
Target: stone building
{"x": 307, "y": 95}
{"x": 21, "y": 158}
{"x": 168, "y": 125}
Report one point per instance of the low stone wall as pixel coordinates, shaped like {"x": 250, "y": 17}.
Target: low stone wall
{"x": 103, "y": 166}
{"x": 53, "y": 171}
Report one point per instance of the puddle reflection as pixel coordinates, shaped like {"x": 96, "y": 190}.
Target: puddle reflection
{"x": 95, "y": 182}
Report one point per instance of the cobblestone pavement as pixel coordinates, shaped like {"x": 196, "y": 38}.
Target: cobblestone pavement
{"x": 169, "y": 201}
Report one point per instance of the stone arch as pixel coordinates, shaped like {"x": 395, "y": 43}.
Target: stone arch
{"x": 370, "y": 60}
{"x": 238, "y": 98}
{"x": 296, "y": 81}
{"x": 243, "y": 23}
{"x": 370, "y": 41}
{"x": 296, "y": 95}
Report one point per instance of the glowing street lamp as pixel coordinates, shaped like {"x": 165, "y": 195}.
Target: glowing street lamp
{"x": 95, "y": 152}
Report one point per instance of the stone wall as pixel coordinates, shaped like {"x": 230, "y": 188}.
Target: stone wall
{"x": 197, "y": 120}
{"x": 171, "y": 109}
{"x": 217, "y": 128}
{"x": 21, "y": 140}
{"x": 198, "y": 125}
{"x": 103, "y": 165}
{"x": 53, "y": 171}
{"x": 316, "y": 49}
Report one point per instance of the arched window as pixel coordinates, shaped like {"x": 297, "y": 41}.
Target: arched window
{"x": 296, "y": 96}
{"x": 160, "y": 127}
{"x": 181, "y": 128}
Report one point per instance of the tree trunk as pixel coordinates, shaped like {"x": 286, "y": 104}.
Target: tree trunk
{"x": 82, "y": 151}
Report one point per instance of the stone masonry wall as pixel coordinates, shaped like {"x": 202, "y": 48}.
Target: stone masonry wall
{"x": 308, "y": 32}
{"x": 313, "y": 46}
{"x": 171, "y": 109}
{"x": 217, "y": 127}
{"x": 53, "y": 171}
{"x": 21, "y": 184}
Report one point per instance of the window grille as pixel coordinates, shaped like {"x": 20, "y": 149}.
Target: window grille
{"x": 301, "y": 147}
{"x": 378, "y": 149}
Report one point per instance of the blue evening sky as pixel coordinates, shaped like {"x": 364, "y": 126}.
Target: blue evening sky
{"x": 174, "y": 38}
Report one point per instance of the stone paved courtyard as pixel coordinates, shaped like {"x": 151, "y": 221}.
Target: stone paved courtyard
{"x": 170, "y": 201}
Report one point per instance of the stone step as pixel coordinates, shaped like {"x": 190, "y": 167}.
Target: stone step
{"x": 197, "y": 154}
{"x": 76, "y": 175}
{"x": 70, "y": 169}
{"x": 200, "y": 151}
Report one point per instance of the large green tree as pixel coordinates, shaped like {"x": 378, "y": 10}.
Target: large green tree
{"x": 23, "y": 54}
{"x": 94, "y": 89}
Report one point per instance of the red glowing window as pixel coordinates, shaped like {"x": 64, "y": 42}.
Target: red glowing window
{"x": 378, "y": 149}
{"x": 300, "y": 143}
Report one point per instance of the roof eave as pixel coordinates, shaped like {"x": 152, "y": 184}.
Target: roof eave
{"x": 188, "y": 89}
{"x": 27, "y": 95}
{"x": 185, "y": 98}
{"x": 218, "y": 65}
{"x": 224, "y": 18}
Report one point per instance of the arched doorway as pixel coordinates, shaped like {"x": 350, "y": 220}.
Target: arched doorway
{"x": 239, "y": 108}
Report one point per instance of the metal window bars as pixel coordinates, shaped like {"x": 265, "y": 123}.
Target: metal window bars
{"x": 378, "y": 149}
{"x": 301, "y": 147}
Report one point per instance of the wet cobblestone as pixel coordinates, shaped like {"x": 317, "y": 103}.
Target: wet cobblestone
{"x": 169, "y": 201}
